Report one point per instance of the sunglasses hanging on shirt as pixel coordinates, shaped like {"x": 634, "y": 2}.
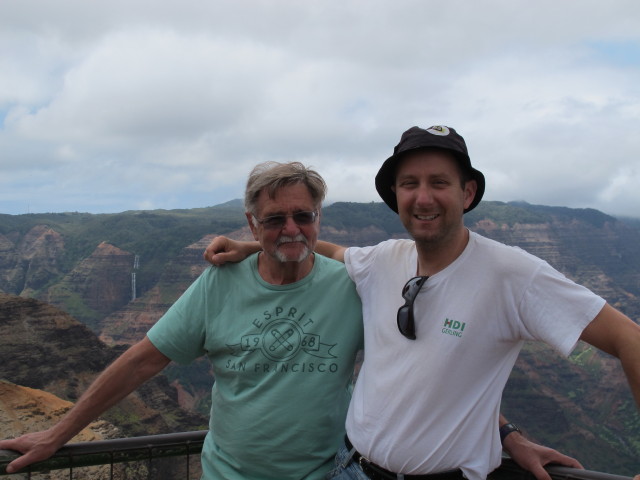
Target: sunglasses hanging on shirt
{"x": 406, "y": 323}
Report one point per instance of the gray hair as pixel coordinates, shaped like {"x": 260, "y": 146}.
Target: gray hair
{"x": 274, "y": 175}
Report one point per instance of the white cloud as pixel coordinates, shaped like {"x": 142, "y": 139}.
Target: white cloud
{"x": 109, "y": 106}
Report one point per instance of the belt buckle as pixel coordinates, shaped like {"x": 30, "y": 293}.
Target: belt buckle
{"x": 365, "y": 465}
{"x": 368, "y": 470}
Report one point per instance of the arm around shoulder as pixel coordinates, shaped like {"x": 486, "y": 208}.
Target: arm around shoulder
{"x": 222, "y": 250}
{"x": 331, "y": 250}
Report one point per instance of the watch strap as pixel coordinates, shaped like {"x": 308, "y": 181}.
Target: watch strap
{"x": 506, "y": 429}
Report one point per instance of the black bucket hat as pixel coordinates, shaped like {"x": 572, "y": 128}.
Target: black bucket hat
{"x": 417, "y": 138}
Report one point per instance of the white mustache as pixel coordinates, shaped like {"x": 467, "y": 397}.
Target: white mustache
{"x": 286, "y": 239}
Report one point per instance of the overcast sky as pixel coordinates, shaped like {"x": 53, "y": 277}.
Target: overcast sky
{"x": 107, "y": 106}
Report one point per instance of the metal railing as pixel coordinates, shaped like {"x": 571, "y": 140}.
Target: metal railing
{"x": 509, "y": 470}
{"x": 111, "y": 452}
{"x": 189, "y": 445}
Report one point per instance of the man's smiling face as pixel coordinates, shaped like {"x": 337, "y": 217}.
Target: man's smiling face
{"x": 432, "y": 196}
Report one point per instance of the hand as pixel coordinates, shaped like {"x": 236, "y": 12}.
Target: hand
{"x": 222, "y": 250}
{"x": 533, "y": 457}
{"x": 35, "y": 447}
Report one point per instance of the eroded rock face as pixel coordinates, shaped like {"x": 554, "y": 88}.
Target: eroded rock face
{"x": 98, "y": 285}
{"x": 129, "y": 324}
{"x": 555, "y": 400}
{"x": 44, "y": 348}
{"x": 29, "y": 262}
{"x": 24, "y": 409}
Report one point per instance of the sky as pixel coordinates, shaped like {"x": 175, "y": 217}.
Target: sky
{"x": 108, "y": 106}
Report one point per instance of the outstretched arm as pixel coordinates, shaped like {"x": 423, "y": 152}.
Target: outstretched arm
{"x": 615, "y": 333}
{"x": 131, "y": 369}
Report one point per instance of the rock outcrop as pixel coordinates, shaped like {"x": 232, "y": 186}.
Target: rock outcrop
{"x": 24, "y": 410}
{"x": 96, "y": 286}
{"x": 29, "y": 262}
{"x": 44, "y": 348}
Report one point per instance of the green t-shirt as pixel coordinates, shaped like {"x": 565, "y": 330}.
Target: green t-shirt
{"x": 283, "y": 357}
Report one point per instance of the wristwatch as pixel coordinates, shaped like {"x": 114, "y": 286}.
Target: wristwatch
{"x": 506, "y": 429}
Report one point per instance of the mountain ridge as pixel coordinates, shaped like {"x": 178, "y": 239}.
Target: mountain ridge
{"x": 582, "y": 407}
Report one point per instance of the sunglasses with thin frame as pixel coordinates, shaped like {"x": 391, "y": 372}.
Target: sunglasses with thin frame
{"x": 273, "y": 222}
{"x": 406, "y": 323}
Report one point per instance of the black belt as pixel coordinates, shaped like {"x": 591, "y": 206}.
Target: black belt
{"x": 375, "y": 472}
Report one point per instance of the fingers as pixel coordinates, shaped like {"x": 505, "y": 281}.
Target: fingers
{"x": 35, "y": 447}
{"x": 554, "y": 456}
{"x": 539, "y": 472}
{"x": 219, "y": 258}
{"x": 566, "y": 461}
{"x": 17, "y": 465}
{"x": 212, "y": 253}
{"x": 533, "y": 457}
{"x": 24, "y": 460}
{"x": 223, "y": 250}
{"x": 550, "y": 457}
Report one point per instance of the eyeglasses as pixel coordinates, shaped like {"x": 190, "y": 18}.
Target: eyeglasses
{"x": 278, "y": 221}
{"x": 406, "y": 324}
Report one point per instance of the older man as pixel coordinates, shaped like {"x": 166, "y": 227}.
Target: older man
{"x": 282, "y": 354}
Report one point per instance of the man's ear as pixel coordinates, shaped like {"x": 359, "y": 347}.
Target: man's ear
{"x": 252, "y": 225}
{"x": 470, "y": 189}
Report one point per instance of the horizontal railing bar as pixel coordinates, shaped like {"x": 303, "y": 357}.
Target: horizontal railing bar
{"x": 105, "y": 452}
{"x": 558, "y": 472}
{"x": 133, "y": 443}
{"x": 566, "y": 472}
{"x": 118, "y": 450}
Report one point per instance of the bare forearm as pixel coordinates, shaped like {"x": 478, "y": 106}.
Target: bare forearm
{"x": 628, "y": 352}
{"x": 630, "y": 361}
{"x": 615, "y": 333}
{"x": 134, "y": 367}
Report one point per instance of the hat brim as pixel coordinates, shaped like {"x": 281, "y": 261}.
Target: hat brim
{"x": 386, "y": 177}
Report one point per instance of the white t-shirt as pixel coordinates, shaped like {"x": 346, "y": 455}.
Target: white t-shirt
{"x": 432, "y": 404}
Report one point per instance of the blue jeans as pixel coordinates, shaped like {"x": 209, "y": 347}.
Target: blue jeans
{"x": 345, "y": 469}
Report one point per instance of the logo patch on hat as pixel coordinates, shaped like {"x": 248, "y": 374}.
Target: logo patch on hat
{"x": 438, "y": 130}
